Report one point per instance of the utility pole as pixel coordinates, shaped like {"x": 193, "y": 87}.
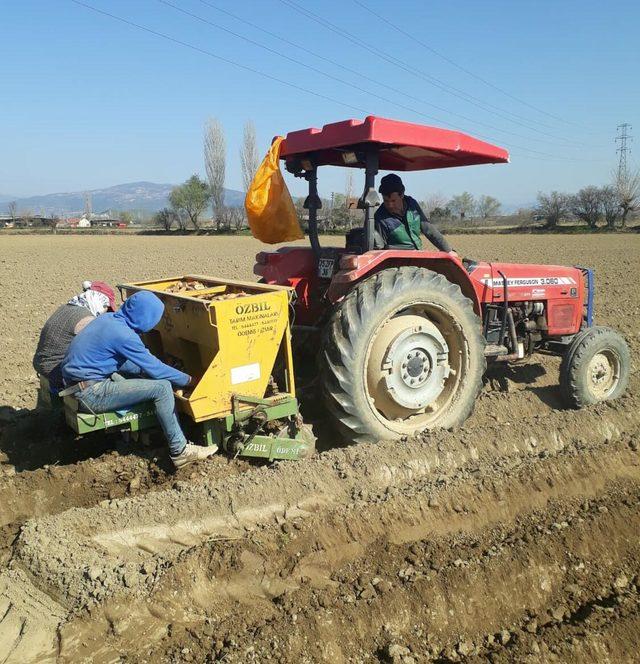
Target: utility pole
{"x": 333, "y": 196}
{"x": 622, "y": 138}
{"x": 349, "y": 185}
{"x": 348, "y": 195}
{"x": 87, "y": 205}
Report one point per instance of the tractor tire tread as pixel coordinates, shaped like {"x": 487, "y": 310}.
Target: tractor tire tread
{"x": 573, "y": 392}
{"x": 345, "y": 327}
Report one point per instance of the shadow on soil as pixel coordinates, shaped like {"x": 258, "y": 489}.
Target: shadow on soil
{"x": 550, "y": 395}
{"x": 32, "y": 439}
{"x": 499, "y": 377}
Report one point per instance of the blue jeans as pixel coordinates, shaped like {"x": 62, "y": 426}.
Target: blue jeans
{"x": 123, "y": 393}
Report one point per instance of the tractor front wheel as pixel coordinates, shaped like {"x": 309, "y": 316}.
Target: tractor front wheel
{"x": 595, "y": 367}
{"x": 402, "y": 353}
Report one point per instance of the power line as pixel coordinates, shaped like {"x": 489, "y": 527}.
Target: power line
{"x": 259, "y": 72}
{"x": 359, "y": 74}
{"x": 436, "y": 82}
{"x": 294, "y": 60}
{"x": 203, "y": 51}
{"x": 622, "y": 138}
{"x": 413, "y": 37}
{"x": 332, "y": 77}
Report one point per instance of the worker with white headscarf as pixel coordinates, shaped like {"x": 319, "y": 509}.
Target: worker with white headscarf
{"x": 65, "y": 323}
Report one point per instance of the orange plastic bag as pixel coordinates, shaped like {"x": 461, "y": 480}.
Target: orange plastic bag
{"x": 270, "y": 211}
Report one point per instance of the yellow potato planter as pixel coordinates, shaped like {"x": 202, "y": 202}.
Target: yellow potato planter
{"x": 233, "y": 336}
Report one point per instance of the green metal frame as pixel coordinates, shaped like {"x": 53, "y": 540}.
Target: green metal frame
{"x": 274, "y": 408}
{"x": 215, "y": 431}
{"x": 267, "y": 447}
{"x": 279, "y": 407}
{"x": 136, "y": 418}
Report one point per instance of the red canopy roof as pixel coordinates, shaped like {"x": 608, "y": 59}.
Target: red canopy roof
{"x": 404, "y": 146}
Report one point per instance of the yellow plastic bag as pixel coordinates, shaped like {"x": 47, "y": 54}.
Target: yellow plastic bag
{"x": 270, "y": 211}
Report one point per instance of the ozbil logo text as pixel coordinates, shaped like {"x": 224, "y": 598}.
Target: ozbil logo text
{"x": 252, "y": 308}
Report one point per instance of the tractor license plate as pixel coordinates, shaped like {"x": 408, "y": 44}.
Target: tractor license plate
{"x": 325, "y": 268}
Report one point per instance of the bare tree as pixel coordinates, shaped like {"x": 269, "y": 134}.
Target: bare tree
{"x": 587, "y": 205}
{"x": 433, "y": 202}
{"x": 24, "y": 218}
{"x": 463, "y": 205}
{"x": 215, "y": 159}
{"x": 610, "y": 203}
{"x": 166, "y": 218}
{"x": 488, "y": 206}
{"x": 237, "y": 218}
{"x": 338, "y": 214}
{"x": 249, "y": 159}
{"x": 524, "y": 216}
{"x": 552, "y": 207}
{"x": 352, "y": 210}
{"x": 627, "y": 186}
{"x": 348, "y": 184}
{"x": 13, "y": 210}
{"x": 298, "y": 204}
{"x": 181, "y": 218}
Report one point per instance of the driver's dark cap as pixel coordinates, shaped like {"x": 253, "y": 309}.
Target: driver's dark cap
{"x": 391, "y": 184}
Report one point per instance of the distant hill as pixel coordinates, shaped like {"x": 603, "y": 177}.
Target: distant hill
{"x": 140, "y": 196}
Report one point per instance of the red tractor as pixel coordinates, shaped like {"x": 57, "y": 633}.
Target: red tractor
{"x": 399, "y": 340}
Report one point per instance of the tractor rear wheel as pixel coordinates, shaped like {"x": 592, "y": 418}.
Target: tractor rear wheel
{"x": 595, "y": 367}
{"x": 403, "y": 352}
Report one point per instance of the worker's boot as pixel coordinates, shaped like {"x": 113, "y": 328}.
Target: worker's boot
{"x": 192, "y": 453}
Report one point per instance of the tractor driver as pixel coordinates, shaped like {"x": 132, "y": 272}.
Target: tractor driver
{"x": 399, "y": 220}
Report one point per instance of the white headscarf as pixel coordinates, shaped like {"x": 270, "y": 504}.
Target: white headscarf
{"x": 92, "y": 300}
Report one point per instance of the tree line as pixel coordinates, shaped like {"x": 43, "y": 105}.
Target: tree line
{"x": 462, "y": 207}
{"x": 592, "y": 205}
{"x": 610, "y": 204}
{"x": 188, "y": 202}
{"x": 340, "y": 212}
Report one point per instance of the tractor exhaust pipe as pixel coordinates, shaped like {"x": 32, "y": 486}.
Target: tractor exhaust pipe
{"x": 516, "y": 355}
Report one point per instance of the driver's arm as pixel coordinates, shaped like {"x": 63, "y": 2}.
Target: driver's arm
{"x": 432, "y": 234}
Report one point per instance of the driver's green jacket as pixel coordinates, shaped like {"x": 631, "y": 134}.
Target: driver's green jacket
{"x": 404, "y": 232}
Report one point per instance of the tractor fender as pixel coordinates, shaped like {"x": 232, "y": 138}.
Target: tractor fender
{"x": 354, "y": 268}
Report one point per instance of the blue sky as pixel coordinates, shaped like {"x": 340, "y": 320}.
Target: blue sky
{"x": 88, "y": 102}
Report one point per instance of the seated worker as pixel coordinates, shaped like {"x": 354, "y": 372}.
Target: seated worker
{"x": 65, "y": 323}
{"x": 400, "y": 219}
{"x": 112, "y": 345}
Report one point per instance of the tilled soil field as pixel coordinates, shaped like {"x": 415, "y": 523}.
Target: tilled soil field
{"x": 514, "y": 538}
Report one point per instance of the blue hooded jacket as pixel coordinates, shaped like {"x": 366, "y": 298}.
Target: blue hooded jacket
{"x": 112, "y": 339}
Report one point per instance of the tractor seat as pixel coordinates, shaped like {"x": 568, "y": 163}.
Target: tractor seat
{"x": 354, "y": 240}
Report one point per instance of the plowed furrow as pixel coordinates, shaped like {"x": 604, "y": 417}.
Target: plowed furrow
{"x": 432, "y": 558}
